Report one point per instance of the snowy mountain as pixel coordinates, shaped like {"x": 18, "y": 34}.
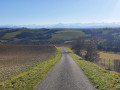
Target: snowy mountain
{"x": 61, "y": 25}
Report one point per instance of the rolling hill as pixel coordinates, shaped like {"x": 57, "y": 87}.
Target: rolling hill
{"x": 47, "y": 36}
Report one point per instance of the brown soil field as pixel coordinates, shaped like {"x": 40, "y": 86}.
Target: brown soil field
{"x": 15, "y": 59}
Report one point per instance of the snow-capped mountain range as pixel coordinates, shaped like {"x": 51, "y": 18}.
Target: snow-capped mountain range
{"x": 61, "y": 25}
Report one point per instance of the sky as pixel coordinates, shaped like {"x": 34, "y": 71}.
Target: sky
{"x": 43, "y": 12}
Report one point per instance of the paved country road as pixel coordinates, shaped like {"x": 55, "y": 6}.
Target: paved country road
{"x": 66, "y": 75}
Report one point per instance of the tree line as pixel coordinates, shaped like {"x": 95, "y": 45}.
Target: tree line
{"x": 89, "y": 48}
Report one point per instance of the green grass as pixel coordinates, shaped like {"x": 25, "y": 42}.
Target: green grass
{"x": 34, "y": 31}
{"x": 13, "y": 34}
{"x": 101, "y": 78}
{"x": 17, "y": 39}
{"x": 10, "y": 35}
{"x": 28, "y": 80}
{"x": 67, "y": 34}
{"x": 3, "y": 41}
{"x": 105, "y": 32}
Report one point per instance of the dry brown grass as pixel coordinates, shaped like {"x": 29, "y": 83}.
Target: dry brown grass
{"x": 107, "y": 59}
{"x": 110, "y": 56}
{"x": 15, "y": 59}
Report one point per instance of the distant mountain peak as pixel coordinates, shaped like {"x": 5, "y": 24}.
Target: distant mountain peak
{"x": 62, "y": 25}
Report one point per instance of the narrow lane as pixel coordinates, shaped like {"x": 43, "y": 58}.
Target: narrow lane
{"x": 66, "y": 75}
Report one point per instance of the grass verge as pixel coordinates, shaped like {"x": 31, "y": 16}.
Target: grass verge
{"x": 101, "y": 78}
{"x": 28, "y": 80}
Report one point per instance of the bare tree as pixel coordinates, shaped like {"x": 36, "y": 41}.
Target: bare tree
{"x": 92, "y": 54}
{"x": 97, "y": 40}
{"x": 78, "y": 46}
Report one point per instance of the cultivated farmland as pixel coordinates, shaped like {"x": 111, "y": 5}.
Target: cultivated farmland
{"x": 15, "y": 59}
{"x": 111, "y": 56}
{"x": 107, "y": 60}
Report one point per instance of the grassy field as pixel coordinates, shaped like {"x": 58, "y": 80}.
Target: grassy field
{"x": 14, "y": 59}
{"x": 67, "y": 34}
{"x": 62, "y": 34}
{"x": 13, "y": 34}
{"x": 106, "y": 56}
{"x": 101, "y": 78}
{"x": 10, "y": 35}
{"x": 29, "y": 79}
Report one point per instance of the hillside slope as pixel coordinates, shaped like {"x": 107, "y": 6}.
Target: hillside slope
{"x": 47, "y": 36}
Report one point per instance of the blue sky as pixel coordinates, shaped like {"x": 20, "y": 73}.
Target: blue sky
{"x": 41, "y": 12}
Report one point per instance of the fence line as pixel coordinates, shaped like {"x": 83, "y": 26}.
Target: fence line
{"x": 110, "y": 64}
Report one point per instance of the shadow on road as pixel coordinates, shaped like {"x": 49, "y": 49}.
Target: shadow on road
{"x": 64, "y": 52}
